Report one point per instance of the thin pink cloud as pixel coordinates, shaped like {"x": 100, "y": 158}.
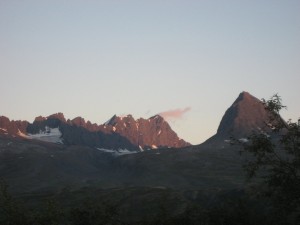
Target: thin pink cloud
{"x": 175, "y": 113}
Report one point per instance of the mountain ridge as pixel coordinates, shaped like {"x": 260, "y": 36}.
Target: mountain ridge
{"x": 119, "y": 132}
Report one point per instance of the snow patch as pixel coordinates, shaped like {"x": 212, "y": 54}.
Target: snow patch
{"x": 159, "y": 132}
{"x": 270, "y": 125}
{"x": 141, "y": 148}
{"x": 105, "y": 150}
{"x": 114, "y": 128}
{"x": 52, "y": 135}
{"x": 118, "y": 152}
{"x": 5, "y": 130}
{"x": 154, "y": 147}
{"x": 263, "y": 132}
{"x": 244, "y": 140}
{"x": 22, "y": 134}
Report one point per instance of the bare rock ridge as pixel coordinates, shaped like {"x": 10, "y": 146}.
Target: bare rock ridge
{"x": 119, "y": 132}
{"x": 246, "y": 115}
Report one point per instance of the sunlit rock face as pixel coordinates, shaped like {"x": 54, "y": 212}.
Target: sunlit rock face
{"x": 247, "y": 115}
{"x": 117, "y": 133}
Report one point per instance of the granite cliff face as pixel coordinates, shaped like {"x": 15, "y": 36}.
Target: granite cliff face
{"x": 117, "y": 133}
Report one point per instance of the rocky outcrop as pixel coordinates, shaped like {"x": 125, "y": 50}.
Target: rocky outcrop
{"x": 12, "y": 127}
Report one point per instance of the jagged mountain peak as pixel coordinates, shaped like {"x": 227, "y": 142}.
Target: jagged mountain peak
{"x": 79, "y": 121}
{"x": 118, "y": 132}
{"x": 127, "y": 117}
{"x": 40, "y": 118}
{"x": 60, "y": 116}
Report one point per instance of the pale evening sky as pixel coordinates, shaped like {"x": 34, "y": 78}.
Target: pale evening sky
{"x": 99, "y": 58}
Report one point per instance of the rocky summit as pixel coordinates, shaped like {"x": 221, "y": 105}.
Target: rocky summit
{"x": 245, "y": 116}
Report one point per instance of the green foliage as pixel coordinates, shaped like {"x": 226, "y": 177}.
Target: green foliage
{"x": 276, "y": 159}
{"x": 274, "y": 104}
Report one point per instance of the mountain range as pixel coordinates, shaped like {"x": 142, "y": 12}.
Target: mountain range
{"x": 53, "y": 152}
{"x": 246, "y": 115}
{"x": 117, "y": 133}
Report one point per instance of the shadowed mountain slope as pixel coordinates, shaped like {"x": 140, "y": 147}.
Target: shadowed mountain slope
{"x": 29, "y": 166}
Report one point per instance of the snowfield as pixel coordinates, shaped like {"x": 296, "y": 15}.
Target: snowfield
{"x": 118, "y": 152}
{"x": 52, "y": 135}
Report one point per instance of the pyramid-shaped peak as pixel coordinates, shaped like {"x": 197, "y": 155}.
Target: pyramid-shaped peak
{"x": 245, "y": 96}
{"x": 245, "y": 93}
{"x": 245, "y": 115}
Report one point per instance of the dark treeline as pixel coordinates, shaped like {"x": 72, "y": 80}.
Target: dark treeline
{"x": 235, "y": 207}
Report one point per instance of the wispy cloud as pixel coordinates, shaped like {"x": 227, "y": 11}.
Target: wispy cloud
{"x": 175, "y": 113}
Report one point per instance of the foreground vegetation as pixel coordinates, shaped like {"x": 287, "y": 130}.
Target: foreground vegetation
{"x": 276, "y": 161}
{"x": 145, "y": 206}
